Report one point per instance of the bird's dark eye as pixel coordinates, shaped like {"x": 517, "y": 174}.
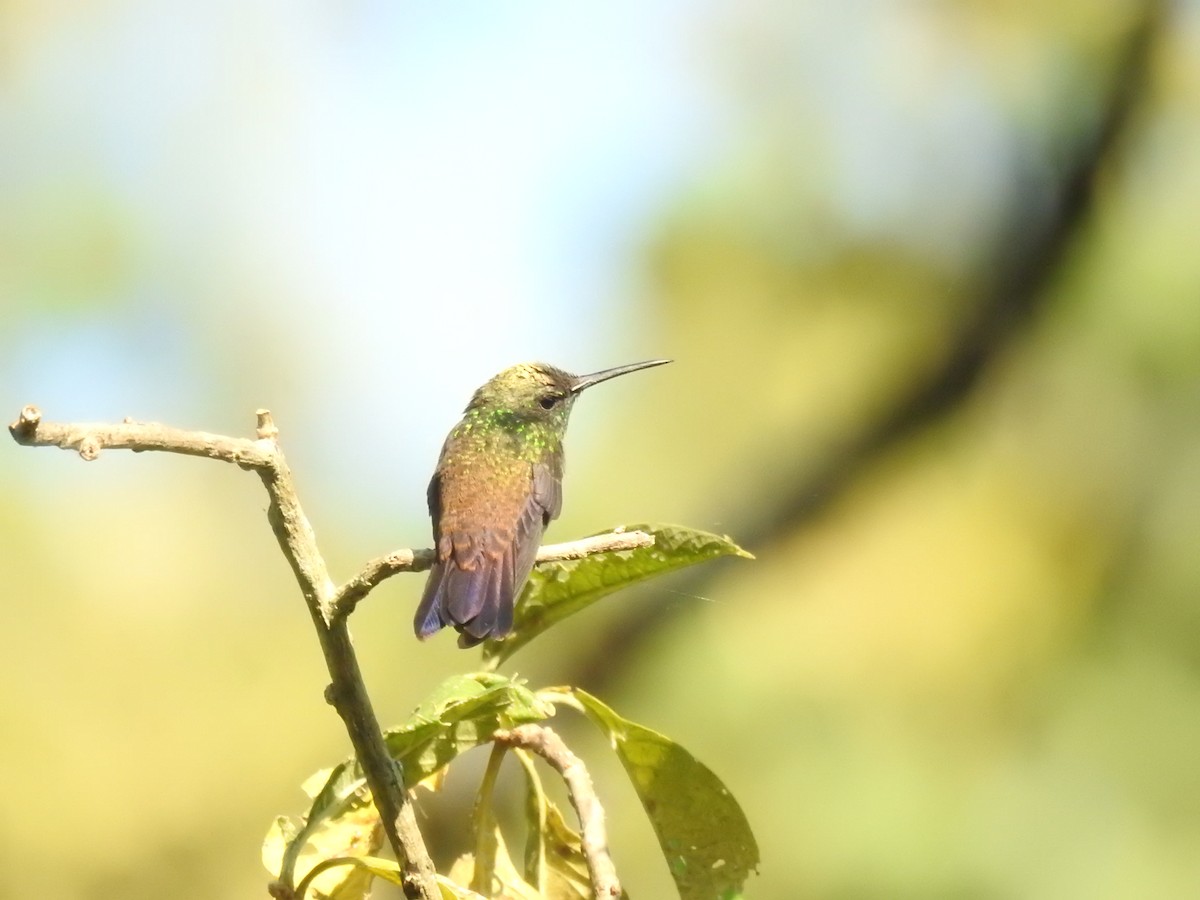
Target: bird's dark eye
{"x": 549, "y": 401}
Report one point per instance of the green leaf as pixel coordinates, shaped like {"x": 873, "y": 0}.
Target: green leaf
{"x": 452, "y": 891}
{"x": 561, "y": 589}
{"x": 703, "y": 833}
{"x": 554, "y": 860}
{"x": 347, "y": 877}
{"x": 389, "y": 870}
{"x": 349, "y": 882}
{"x": 465, "y": 711}
{"x": 535, "y": 822}
{"x": 506, "y": 881}
{"x": 281, "y": 833}
{"x": 483, "y": 822}
{"x": 341, "y": 821}
{"x": 462, "y": 712}
{"x": 567, "y": 876}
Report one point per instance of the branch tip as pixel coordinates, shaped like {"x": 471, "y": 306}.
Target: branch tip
{"x": 89, "y": 448}
{"x": 266, "y": 429}
{"x": 27, "y": 423}
{"x": 593, "y": 837}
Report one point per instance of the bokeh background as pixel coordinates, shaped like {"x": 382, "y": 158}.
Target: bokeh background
{"x": 930, "y": 272}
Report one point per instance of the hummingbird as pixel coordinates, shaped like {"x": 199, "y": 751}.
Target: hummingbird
{"x": 497, "y": 485}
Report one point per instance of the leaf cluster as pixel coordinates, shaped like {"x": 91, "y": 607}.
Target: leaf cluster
{"x": 705, "y": 838}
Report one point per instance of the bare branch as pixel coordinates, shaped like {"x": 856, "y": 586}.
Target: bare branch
{"x": 593, "y": 837}
{"x": 296, "y": 539}
{"x": 90, "y": 439}
{"x": 381, "y": 568}
{"x": 374, "y": 573}
{"x": 599, "y": 543}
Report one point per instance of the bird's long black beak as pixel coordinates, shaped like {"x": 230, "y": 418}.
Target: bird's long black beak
{"x": 579, "y": 382}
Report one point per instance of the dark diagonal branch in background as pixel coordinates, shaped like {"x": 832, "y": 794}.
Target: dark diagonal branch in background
{"x": 328, "y": 606}
{"x": 1044, "y": 225}
{"x": 1032, "y": 250}
{"x": 593, "y": 838}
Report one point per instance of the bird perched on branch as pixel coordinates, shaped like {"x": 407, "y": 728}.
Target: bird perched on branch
{"x": 497, "y": 485}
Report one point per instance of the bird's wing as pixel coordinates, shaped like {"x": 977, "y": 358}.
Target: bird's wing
{"x": 486, "y": 547}
{"x": 547, "y": 489}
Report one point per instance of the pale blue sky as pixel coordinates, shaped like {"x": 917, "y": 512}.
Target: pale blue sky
{"x": 371, "y": 207}
{"x": 427, "y": 193}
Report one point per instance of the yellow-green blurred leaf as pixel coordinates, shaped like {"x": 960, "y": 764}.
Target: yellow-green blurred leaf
{"x": 341, "y": 821}
{"x": 507, "y": 883}
{"x": 554, "y": 859}
{"x": 355, "y": 832}
{"x": 348, "y": 877}
{"x": 566, "y": 868}
{"x": 702, "y": 830}
{"x": 281, "y": 834}
{"x": 451, "y": 890}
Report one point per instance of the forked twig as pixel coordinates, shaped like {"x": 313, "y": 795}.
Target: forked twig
{"x": 593, "y": 837}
